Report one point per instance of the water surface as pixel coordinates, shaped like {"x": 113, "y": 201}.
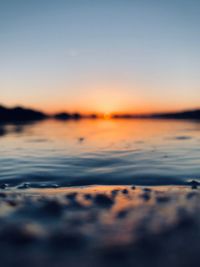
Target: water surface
{"x": 55, "y": 153}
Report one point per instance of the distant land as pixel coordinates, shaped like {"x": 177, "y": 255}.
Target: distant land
{"x": 21, "y": 114}
{"x": 189, "y": 114}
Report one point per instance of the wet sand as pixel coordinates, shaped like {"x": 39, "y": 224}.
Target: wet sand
{"x": 100, "y": 226}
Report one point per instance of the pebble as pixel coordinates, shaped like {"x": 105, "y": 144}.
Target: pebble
{"x": 147, "y": 190}
{"x": 72, "y": 196}
{"x": 88, "y": 196}
{"x": 146, "y": 196}
{"x": 125, "y": 191}
{"x": 115, "y": 192}
{"x": 103, "y": 200}
{"x": 194, "y": 184}
{"x": 162, "y": 199}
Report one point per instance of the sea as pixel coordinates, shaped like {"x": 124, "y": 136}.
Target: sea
{"x": 53, "y": 153}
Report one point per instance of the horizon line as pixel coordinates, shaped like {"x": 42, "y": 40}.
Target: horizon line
{"x": 102, "y": 114}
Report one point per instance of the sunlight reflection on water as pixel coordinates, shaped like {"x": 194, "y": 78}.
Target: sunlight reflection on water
{"x": 100, "y": 152}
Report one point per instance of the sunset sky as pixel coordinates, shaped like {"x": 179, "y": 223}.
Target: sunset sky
{"x": 100, "y": 56}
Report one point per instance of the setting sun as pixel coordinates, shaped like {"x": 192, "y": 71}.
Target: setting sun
{"x": 107, "y": 116}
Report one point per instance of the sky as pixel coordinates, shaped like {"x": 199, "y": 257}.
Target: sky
{"x": 105, "y": 56}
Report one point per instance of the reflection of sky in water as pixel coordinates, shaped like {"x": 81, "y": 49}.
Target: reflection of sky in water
{"x": 100, "y": 152}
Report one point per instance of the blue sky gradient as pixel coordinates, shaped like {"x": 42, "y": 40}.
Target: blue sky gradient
{"x": 103, "y": 56}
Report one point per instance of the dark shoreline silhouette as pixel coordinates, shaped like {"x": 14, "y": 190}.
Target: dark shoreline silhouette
{"x": 20, "y": 114}
{"x": 190, "y": 115}
{"x": 184, "y": 115}
{"x": 74, "y": 116}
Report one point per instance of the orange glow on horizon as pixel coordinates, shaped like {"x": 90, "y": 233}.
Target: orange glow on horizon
{"x": 107, "y": 111}
{"x": 100, "y": 99}
{"x": 101, "y": 109}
